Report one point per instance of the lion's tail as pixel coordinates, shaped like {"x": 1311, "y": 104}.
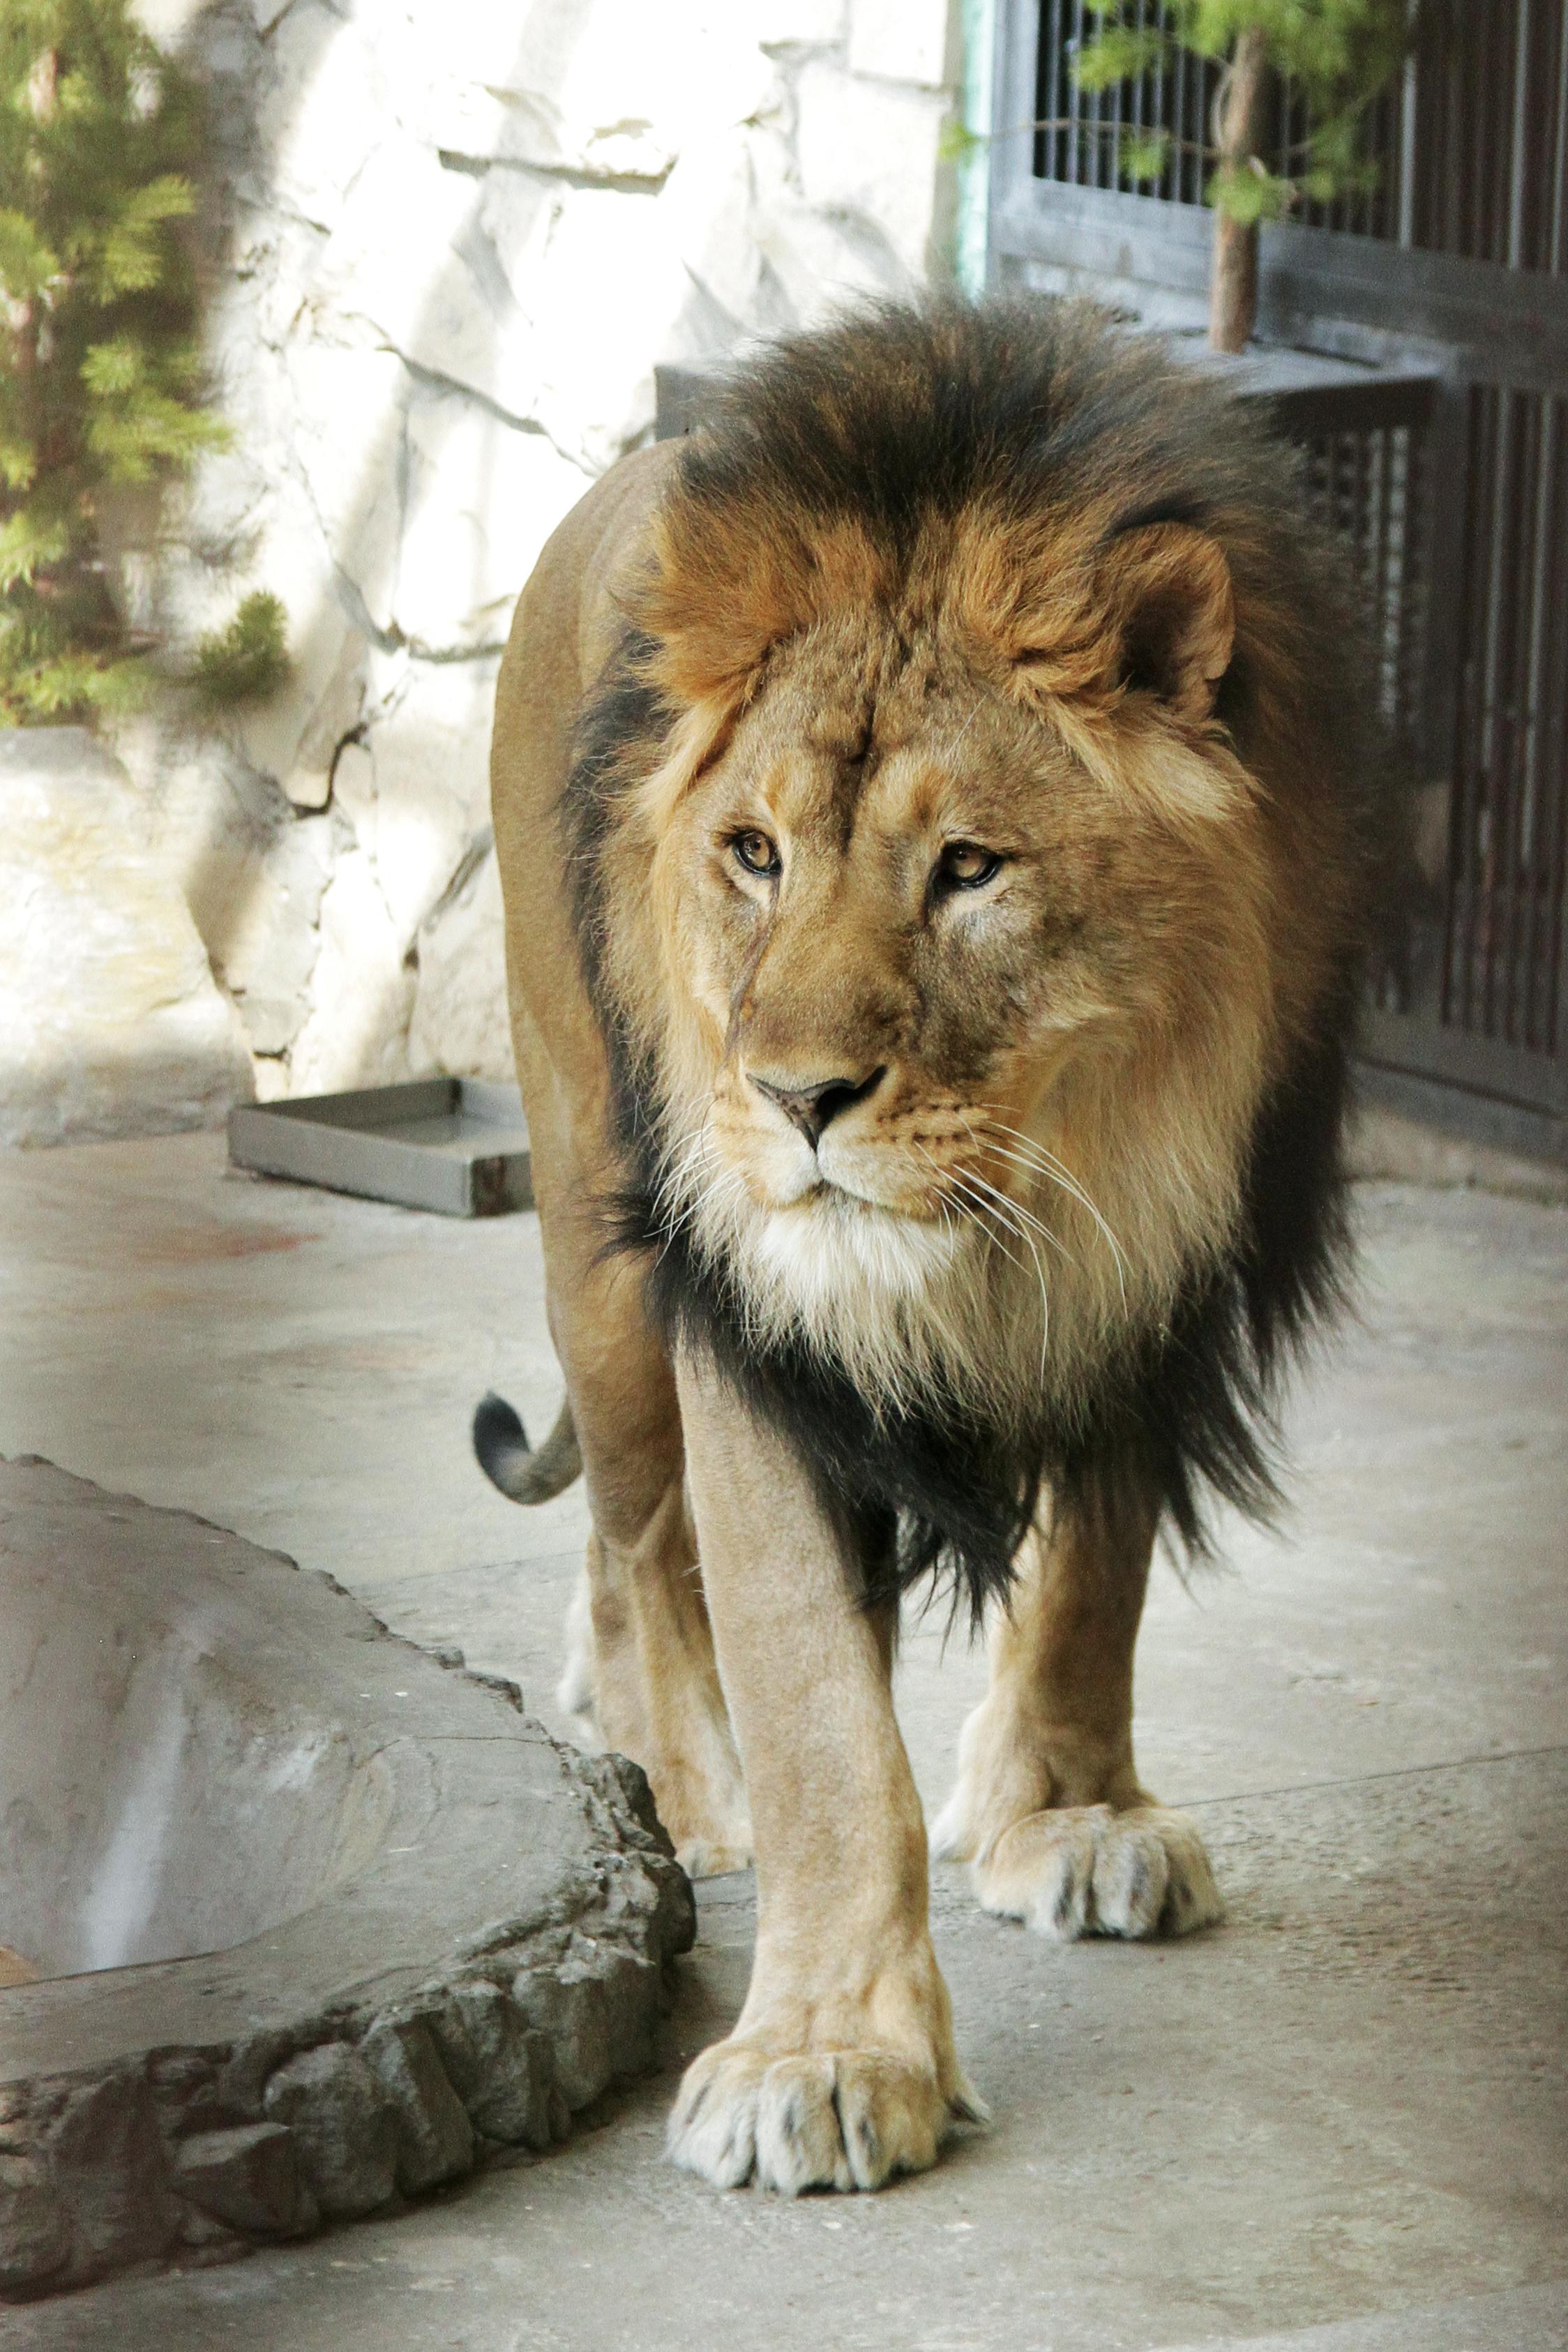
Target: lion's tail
{"x": 527, "y": 1473}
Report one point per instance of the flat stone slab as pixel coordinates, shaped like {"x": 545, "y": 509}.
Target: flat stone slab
{"x": 430, "y": 1932}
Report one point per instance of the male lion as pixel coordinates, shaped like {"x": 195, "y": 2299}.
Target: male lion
{"x": 931, "y": 807}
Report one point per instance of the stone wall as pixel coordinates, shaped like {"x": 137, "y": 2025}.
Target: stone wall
{"x": 457, "y": 237}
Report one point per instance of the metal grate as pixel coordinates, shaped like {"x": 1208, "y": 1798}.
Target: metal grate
{"x": 1080, "y": 133}
{"x": 1370, "y": 484}
{"x": 1461, "y": 534}
{"x": 1473, "y": 143}
{"x": 1478, "y": 136}
{"x": 1503, "y": 963}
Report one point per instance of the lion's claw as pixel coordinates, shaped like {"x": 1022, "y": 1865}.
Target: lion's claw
{"x": 810, "y": 2119}
{"x": 1087, "y": 1870}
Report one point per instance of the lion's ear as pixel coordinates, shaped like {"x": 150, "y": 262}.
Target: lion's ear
{"x": 1165, "y": 590}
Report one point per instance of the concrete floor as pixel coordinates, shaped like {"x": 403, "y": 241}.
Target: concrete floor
{"x": 1336, "y": 2124}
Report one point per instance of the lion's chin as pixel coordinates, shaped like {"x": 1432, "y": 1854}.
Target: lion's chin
{"x": 833, "y": 1245}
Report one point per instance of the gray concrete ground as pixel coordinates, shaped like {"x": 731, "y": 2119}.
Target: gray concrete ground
{"x": 1334, "y": 2124}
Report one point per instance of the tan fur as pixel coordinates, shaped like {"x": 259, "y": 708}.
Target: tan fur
{"x": 1005, "y": 1227}
{"x": 841, "y": 2069}
{"x": 657, "y": 1694}
{"x": 1155, "y": 832}
{"x": 1048, "y": 1806}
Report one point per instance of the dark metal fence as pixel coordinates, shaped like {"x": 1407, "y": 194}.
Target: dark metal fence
{"x": 1457, "y": 260}
{"x": 1369, "y": 482}
{"x": 1472, "y": 141}
{"x": 1503, "y": 951}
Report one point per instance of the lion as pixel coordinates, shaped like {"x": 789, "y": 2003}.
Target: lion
{"x": 933, "y": 814}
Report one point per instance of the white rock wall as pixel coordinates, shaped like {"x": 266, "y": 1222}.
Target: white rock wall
{"x": 459, "y": 234}
{"x": 108, "y": 1015}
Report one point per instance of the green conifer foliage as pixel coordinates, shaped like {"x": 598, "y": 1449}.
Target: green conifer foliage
{"x": 248, "y": 658}
{"x": 99, "y": 379}
{"x": 1337, "y": 55}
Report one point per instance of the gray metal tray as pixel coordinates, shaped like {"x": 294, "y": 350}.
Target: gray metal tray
{"x": 448, "y": 1144}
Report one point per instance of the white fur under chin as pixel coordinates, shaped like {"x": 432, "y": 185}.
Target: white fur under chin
{"x": 836, "y": 1256}
{"x": 893, "y": 1300}
{"x": 915, "y": 1311}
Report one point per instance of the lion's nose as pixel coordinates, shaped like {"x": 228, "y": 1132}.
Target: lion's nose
{"x": 810, "y": 1107}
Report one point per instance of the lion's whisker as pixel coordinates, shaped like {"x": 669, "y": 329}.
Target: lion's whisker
{"x": 977, "y": 1210}
{"x": 721, "y": 1194}
{"x": 1027, "y": 1214}
{"x": 1046, "y": 1163}
{"x": 1034, "y": 1167}
{"x": 682, "y": 1162}
{"x": 1005, "y": 1206}
{"x": 1029, "y": 1243}
{"x": 678, "y": 1164}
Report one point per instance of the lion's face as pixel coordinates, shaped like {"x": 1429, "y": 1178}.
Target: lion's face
{"x": 877, "y": 909}
{"x": 922, "y": 928}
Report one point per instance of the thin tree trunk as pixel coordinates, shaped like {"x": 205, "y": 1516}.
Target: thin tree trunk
{"x": 43, "y": 85}
{"x": 24, "y": 317}
{"x": 1233, "y": 282}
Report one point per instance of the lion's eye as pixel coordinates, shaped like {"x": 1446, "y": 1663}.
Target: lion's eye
{"x": 757, "y": 853}
{"x": 964, "y": 866}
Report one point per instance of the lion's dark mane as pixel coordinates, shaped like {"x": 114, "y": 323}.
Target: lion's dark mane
{"x": 891, "y": 419}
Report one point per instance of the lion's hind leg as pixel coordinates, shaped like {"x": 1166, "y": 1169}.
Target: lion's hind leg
{"x": 1047, "y": 1808}
{"x": 1068, "y": 1870}
{"x": 577, "y": 1691}
{"x": 639, "y": 1647}
{"x": 656, "y": 1683}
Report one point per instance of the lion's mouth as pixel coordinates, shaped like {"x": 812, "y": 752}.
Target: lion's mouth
{"x": 853, "y": 1194}
{"x": 832, "y": 1197}
{"x": 839, "y": 1196}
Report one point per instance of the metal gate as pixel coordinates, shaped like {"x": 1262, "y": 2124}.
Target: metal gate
{"x": 1455, "y": 264}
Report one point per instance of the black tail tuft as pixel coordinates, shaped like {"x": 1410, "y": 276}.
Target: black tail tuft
{"x": 498, "y": 1436}
{"x": 509, "y": 1462}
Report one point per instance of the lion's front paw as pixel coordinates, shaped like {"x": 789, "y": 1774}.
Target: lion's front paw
{"x": 1087, "y": 1870}
{"x": 810, "y": 2119}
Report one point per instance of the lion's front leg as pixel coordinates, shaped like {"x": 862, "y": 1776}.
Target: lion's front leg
{"x": 1047, "y": 1805}
{"x": 841, "y": 2069}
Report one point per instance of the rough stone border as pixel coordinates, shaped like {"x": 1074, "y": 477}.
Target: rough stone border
{"x": 197, "y": 2155}
{"x": 196, "y": 2152}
